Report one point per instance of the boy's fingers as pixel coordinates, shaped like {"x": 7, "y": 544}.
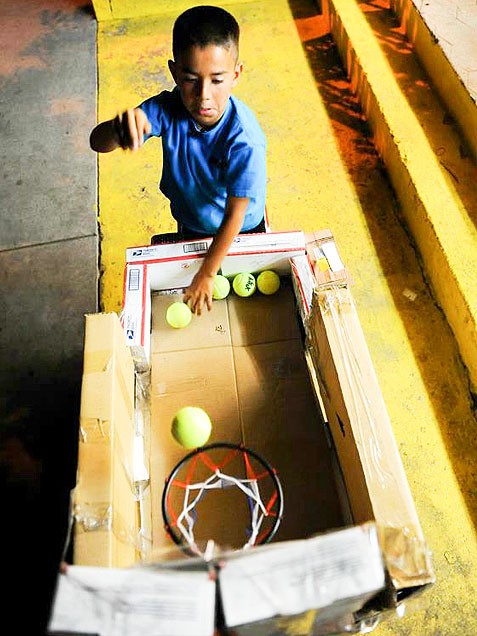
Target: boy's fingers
{"x": 142, "y": 124}
{"x": 194, "y": 302}
{"x": 186, "y": 297}
{"x": 119, "y": 130}
{"x": 123, "y": 129}
{"x": 202, "y": 302}
{"x": 132, "y": 129}
{"x": 197, "y": 301}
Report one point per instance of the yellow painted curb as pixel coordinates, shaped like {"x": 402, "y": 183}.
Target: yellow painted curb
{"x": 445, "y": 235}
{"x": 127, "y": 9}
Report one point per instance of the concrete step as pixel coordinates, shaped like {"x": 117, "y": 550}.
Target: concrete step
{"x": 424, "y": 156}
{"x": 444, "y": 36}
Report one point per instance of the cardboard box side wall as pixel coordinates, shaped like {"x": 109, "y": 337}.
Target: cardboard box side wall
{"x": 363, "y": 436}
{"x": 104, "y": 505}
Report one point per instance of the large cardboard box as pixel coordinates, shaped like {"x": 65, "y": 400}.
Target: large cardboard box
{"x": 288, "y": 376}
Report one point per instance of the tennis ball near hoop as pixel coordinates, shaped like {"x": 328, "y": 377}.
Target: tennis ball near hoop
{"x": 244, "y": 284}
{"x": 178, "y": 315}
{"x": 191, "y": 427}
{"x": 221, "y": 287}
{"x": 268, "y": 282}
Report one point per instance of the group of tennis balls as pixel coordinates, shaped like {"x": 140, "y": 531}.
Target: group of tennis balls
{"x": 245, "y": 284}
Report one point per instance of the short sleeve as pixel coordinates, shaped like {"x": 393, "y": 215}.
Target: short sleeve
{"x": 246, "y": 170}
{"x": 158, "y": 111}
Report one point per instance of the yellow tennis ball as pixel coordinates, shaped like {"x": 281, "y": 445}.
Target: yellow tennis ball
{"x": 221, "y": 287}
{"x": 244, "y": 284}
{"x": 191, "y": 427}
{"x": 268, "y": 282}
{"x": 178, "y": 315}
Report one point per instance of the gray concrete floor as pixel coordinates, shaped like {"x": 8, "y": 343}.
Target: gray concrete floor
{"x": 49, "y": 259}
{"x": 49, "y": 255}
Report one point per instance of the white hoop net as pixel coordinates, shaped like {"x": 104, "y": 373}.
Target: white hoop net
{"x": 256, "y": 506}
{"x": 194, "y": 493}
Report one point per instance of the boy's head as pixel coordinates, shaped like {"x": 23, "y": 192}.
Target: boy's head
{"x": 205, "y": 68}
{"x": 203, "y": 26}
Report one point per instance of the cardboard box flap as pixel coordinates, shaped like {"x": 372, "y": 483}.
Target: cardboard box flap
{"x": 363, "y": 436}
{"x": 340, "y": 570}
{"x": 142, "y": 600}
{"x": 334, "y": 574}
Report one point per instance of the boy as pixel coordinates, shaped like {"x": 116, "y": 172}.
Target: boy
{"x": 214, "y": 168}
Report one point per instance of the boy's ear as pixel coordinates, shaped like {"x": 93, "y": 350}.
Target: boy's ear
{"x": 237, "y": 73}
{"x": 173, "y": 70}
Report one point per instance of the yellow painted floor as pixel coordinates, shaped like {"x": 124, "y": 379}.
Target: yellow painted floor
{"x": 323, "y": 173}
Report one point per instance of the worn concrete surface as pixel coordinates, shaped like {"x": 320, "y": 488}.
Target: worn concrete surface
{"x": 48, "y": 256}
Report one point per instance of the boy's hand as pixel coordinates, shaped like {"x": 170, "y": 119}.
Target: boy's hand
{"x": 199, "y": 292}
{"x": 130, "y": 128}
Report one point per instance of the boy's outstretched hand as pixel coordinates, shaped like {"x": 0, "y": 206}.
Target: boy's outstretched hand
{"x": 199, "y": 293}
{"x": 125, "y": 131}
{"x": 130, "y": 128}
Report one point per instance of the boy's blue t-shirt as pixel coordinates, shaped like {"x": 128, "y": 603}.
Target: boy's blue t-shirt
{"x": 202, "y": 168}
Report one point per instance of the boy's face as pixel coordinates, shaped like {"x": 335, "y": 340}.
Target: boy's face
{"x": 205, "y": 77}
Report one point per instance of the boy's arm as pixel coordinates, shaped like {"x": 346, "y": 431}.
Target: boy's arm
{"x": 125, "y": 131}
{"x": 199, "y": 292}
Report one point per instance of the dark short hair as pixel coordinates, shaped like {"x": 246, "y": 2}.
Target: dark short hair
{"x": 204, "y": 25}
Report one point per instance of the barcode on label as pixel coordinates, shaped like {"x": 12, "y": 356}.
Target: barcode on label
{"x": 133, "y": 284}
{"x": 195, "y": 247}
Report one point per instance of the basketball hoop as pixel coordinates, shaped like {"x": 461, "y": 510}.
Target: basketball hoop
{"x": 202, "y": 472}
